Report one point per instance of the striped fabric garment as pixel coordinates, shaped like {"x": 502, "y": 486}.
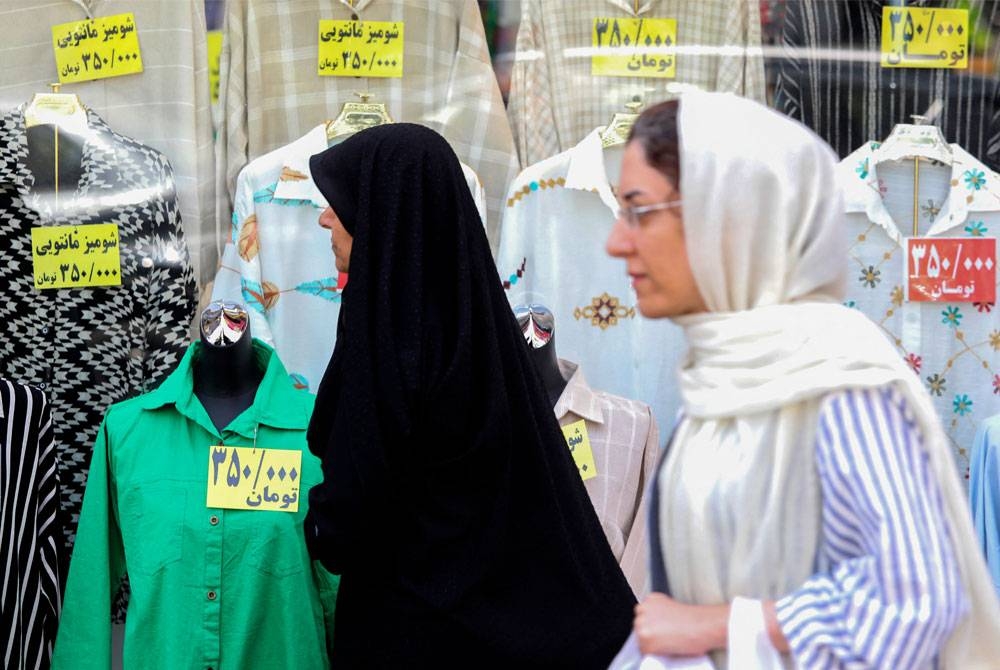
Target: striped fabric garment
{"x": 829, "y": 77}
{"x": 887, "y": 592}
{"x": 29, "y": 534}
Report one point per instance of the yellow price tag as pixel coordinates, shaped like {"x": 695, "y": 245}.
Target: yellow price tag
{"x": 361, "y": 48}
{"x": 634, "y": 48}
{"x": 925, "y": 38}
{"x": 579, "y": 445}
{"x": 98, "y": 48}
{"x": 254, "y": 479}
{"x": 214, "y": 56}
{"x": 76, "y": 256}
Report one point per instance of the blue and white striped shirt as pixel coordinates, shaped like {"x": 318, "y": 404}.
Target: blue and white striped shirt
{"x": 888, "y": 591}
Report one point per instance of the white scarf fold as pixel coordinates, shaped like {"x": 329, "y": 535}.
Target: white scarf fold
{"x": 740, "y": 497}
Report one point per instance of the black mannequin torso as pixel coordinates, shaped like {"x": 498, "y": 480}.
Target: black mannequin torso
{"x": 226, "y": 376}
{"x": 538, "y": 325}
{"x": 41, "y": 161}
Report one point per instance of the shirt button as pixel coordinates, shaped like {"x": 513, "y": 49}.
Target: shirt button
{"x": 45, "y": 330}
{"x": 211, "y": 595}
{"x": 354, "y": 16}
{"x": 214, "y": 520}
{"x": 147, "y": 262}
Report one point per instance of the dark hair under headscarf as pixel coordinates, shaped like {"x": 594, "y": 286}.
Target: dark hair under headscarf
{"x": 450, "y": 503}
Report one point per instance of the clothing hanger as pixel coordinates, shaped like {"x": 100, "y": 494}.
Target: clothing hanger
{"x": 916, "y": 141}
{"x": 356, "y": 116}
{"x": 63, "y": 111}
{"x": 617, "y": 130}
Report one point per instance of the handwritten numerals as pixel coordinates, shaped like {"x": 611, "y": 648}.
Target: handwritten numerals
{"x": 254, "y": 479}
{"x": 951, "y": 269}
{"x": 76, "y": 256}
{"x": 97, "y": 48}
{"x": 361, "y": 49}
{"x": 915, "y": 37}
{"x": 634, "y": 47}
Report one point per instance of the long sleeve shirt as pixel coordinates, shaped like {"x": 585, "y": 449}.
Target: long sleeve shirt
{"x": 211, "y": 588}
{"x": 887, "y": 591}
{"x": 30, "y": 542}
{"x": 984, "y": 493}
{"x": 625, "y": 443}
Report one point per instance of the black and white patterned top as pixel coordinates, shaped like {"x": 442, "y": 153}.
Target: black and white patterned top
{"x": 29, "y": 531}
{"x": 829, "y": 77}
{"x": 88, "y": 348}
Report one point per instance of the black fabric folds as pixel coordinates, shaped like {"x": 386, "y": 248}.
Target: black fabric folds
{"x": 450, "y": 504}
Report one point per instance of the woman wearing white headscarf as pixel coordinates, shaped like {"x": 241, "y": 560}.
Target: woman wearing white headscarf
{"x": 807, "y": 511}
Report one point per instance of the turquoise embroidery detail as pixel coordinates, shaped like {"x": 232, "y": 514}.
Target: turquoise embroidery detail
{"x": 322, "y": 288}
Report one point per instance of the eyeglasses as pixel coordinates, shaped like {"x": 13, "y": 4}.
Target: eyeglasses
{"x": 631, "y": 215}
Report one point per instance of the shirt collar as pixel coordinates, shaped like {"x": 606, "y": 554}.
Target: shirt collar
{"x": 586, "y": 169}
{"x": 630, "y": 5}
{"x": 577, "y": 397}
{"x": 974, "y": 188}
{"x": 277, "y": 403}
{"x": 295, "y": 181}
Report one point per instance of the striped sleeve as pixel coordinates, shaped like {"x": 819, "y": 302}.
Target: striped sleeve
{"x": 892, "y": 593}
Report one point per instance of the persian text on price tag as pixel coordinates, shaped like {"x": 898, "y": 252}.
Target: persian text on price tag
{"x": 925, "y": 38}
{"x": 579, "y": 445}
{"x": 100, "y": 48}
{"x": 254, "y": 479}
{"x": 634, "y": 48}
{"x": 959, "y": 269}
{"x": 214, "y": 57}
{"x": 361, "y": 48}
{"x": 76, "y": 256}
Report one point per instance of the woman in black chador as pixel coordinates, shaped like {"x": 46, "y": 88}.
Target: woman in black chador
{"x": 450, "y": 503}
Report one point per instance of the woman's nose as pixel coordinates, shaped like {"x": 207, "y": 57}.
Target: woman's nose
{"x": 619, "y": 243}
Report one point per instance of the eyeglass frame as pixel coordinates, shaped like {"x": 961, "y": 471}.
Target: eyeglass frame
{"x": 630, "y": 214}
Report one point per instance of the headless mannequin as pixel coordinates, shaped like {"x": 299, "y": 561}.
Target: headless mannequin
{"x": 41, "y": 159}
{"x": 226, "y": 376}
{"x": 538, "y": 325}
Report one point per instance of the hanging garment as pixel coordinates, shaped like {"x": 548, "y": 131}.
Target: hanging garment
{"x": 271, "y": 93}
{"x": 829, "y": 77}
{"x": 558, "y": 216}
{"x": 555, "y": 100}
{"x": 30, "y": 541}
{"x": 450, "y": 503}
{"x": 211, "y": 587}
{"x": 624, "y": 442}
{"x": 279, "y": 262}
{"x": 954, "y": 347}
{"x": 984, "y": 493}
{"x": 166, "y": 107}
{"x": 88, "y": 348}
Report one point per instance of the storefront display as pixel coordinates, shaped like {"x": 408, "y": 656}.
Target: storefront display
{"x": 555, "y": 97}
{"x": 166, "y": 107}
{"x": 212, "y": 574}
{"x": 272, "y": 93}
{"x": 898, "y": 219}
{"x": 30, "y": 597}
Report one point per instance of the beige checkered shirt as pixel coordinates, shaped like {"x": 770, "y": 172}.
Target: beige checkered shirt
{"x": 272, "y": 94}
{"x": 555, "y": 100}
{"x": 165, "y": 107}
{"x": 625, "y": 442}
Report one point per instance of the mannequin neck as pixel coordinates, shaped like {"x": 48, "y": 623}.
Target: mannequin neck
{"x": 547, "y": 364}
{"x": 226, "y": 379}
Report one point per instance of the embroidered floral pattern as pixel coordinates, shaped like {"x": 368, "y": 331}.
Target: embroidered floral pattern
{"x": 897, "y": 296}
{"x": 976, "y": 229}
{"x": 915, "y": 362}
{"x": 604, "y": 311}
{"x": 870, "y": 276}
{"x": 952, "y": 317}
{"x": 533, "y": 186}
{"x": 850, "y": 304}
{"x": 930, "y": 210}
{"x": 995, "y": 340}
{"x": 516, "y": 277}
{"x": 936, "y": 384}
{"x": 984, "y": 307}
{"x": 996, "y": 384}
{"x": 962, "y": 405}
{"x": 974, "y": 179}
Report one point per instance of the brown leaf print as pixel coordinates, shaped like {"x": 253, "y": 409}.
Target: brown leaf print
{"x": 248, "y": 244}
{"x": 288, "y": 174}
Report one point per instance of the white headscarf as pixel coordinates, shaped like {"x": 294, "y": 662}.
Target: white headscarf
{"x": 740, "y": 498}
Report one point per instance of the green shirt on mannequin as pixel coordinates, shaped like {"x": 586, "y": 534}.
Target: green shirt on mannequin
{"x": 213, "y": 589}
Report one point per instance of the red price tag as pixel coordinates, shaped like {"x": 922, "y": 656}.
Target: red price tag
{"x": 949, "y": 269}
